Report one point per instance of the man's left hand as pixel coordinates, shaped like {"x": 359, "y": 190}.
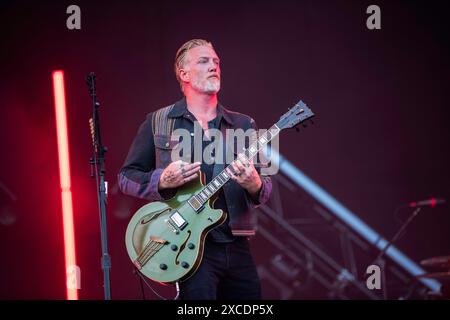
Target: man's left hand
{"x": 246, "y": 175}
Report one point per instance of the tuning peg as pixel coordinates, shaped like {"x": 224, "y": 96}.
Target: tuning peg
{"x": 304, "y": 125}
{"x": 297, "y": 129}
{"x": 312, "y": 122}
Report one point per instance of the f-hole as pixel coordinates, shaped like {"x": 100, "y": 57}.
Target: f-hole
{"x": 182, "y": 247}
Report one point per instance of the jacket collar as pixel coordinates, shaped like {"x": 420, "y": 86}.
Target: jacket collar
{"x": 180, "y": 109}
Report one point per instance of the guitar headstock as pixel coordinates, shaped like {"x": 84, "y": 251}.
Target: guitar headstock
{"x": 296, "y": 115}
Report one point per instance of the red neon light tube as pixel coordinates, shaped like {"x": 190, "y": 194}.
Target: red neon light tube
{"x": 72, "y": 271}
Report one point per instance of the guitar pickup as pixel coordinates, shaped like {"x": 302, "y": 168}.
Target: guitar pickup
{"x": 177, "y": 220}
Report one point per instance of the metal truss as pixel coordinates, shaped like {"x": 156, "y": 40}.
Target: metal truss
{"x": 309, "y": 253}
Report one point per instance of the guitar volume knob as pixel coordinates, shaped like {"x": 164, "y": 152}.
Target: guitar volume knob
{"x": 185, "y": 265}
{"x": 163, "y": 266}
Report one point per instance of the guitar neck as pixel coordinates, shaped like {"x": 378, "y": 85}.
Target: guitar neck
{"x": 198, "y": 200}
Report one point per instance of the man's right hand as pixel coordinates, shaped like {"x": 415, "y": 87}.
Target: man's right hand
{"x": 178, "y": 173}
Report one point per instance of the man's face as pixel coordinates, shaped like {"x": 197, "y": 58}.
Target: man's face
{"x": 202, "y": 66}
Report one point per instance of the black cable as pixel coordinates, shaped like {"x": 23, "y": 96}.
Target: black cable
{"x": 148, "y": 285}
{"x": 136, "y": 272}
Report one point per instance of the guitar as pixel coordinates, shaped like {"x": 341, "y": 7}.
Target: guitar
{"x": 165, "y": 239}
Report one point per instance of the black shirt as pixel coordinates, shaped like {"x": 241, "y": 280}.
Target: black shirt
{"x": 223, "y": 232}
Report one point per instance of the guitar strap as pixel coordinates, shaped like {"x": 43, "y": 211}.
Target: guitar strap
{"x": 161, "y": 123}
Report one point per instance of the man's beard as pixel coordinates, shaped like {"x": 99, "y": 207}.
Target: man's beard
{"x": 208, "y": 86}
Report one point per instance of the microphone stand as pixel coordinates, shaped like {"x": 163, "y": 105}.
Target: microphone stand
{"x": 98, "y": 163}
{"x": 381, "y": 263}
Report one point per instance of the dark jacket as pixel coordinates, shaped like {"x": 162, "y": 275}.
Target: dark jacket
{"x": 149, "y": 155}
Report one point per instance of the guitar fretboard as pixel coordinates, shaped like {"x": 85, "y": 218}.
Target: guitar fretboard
{"x": 198, "y": 200}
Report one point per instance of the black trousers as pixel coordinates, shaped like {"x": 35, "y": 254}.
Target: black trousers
{"x": 227, "y": 272}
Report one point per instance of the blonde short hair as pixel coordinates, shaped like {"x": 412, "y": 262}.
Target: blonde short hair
{"x": 180, "y": 57}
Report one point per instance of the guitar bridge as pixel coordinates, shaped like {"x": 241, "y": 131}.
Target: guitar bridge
{"x": 157, "y": 240}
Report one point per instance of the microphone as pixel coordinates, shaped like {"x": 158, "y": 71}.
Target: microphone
{"x": 429, "y": 202}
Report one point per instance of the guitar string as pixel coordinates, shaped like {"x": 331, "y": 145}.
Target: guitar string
{"x": 152, "y": 253}
{"x": 258, "y": 145}
{"x": 143, "y": 252}
{"x": 150, "y": 250}
{"x": 147, "y": 253}
{"x": 152, "y": 247}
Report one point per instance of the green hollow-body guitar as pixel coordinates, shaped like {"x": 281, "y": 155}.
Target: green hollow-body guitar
{"x": 165, "y": 239}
